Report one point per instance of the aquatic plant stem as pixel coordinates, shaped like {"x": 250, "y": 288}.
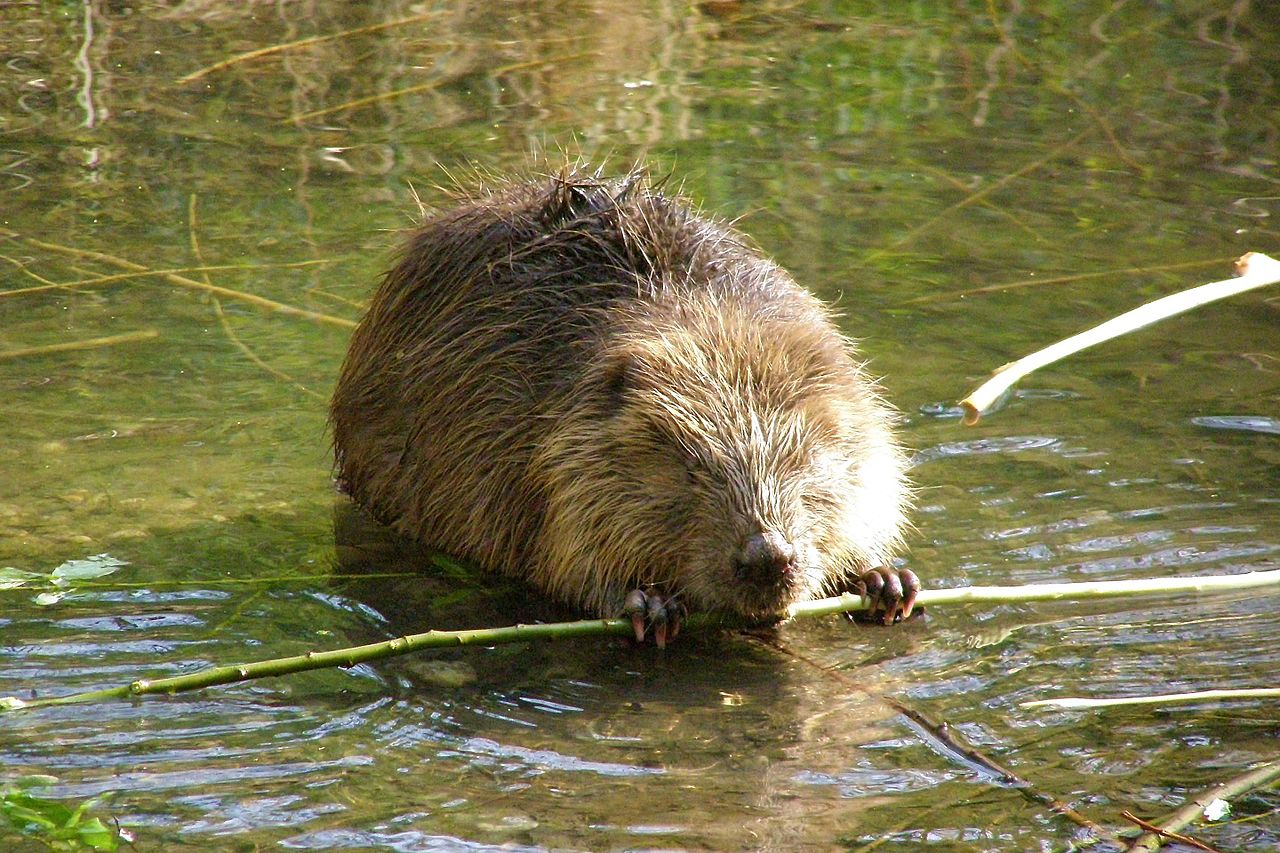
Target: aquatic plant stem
{"x": 847, "y": 603}
{"x": 1253, "y": 270}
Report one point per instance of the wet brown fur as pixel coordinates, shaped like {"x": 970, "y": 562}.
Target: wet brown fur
{"x": 583, "y": 383}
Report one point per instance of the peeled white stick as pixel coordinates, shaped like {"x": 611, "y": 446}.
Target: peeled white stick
{"x": 1253, "y": 270}
{"x": 1069, "y": 591}
{"x": 1159, "y": 699}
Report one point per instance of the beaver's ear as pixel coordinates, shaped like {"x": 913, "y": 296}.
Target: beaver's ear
{"x": 573, "y": 195}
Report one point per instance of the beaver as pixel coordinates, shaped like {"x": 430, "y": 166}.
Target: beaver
{"x": 585, "y": 383}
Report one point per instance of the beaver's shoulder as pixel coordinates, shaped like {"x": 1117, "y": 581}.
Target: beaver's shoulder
{"x": 576, "y": 235}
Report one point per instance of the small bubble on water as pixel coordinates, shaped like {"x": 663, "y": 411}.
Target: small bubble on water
{"x": 941, "y": 410}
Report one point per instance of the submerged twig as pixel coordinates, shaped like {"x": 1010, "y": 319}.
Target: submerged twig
{"x": 90, "y": 343}
{"x": 365, "y": 101}
{"x": 622, "y": 627}
{"x": 45, "y": 284}
{"x": 943, "y": 739}
{"x": 183, "y": 281}
{"x": 986, "y": 203}
{"x": 426, "y": 87}
{"x": 980, "y": 194}
{"x": 254, "y": 357}
{"x": 1072, "y": 702}
{"x": 1263, "y": 774}
{"x": 122, "y": 276}
{"x": 1062, "y": 279}
{"x": 194, "y": 237}
{"x": 1101, "y": 121}
{"x": 1152, "y": 829}
{"x": 1253, "y": 270}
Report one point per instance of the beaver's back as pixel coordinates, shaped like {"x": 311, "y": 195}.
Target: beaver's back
{"x": 475, "y": 338}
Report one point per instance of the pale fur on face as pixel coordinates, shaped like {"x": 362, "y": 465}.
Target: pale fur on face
{"x": 722, "y": 423}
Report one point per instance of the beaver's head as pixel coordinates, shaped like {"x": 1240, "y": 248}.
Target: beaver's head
{"x": 732, "y": 454}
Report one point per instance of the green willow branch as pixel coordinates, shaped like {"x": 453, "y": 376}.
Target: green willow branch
{"x": 847, "y": 603}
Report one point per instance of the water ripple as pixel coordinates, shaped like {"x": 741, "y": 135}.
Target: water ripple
{"x": 1246, "y": 423}
{"x": 547, "y": 759}
{"x": 984, "y": 446}
{"x": 202, "y": 776}
{"x": 404, "y": 841}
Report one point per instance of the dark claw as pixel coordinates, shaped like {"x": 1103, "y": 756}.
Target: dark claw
{"x": 635, "y": 607}
{"x": 872, "y": 583}
{"x": 890, "y": 594}
{"x": 657, "y": 617}
{"x": 650, "y": 610}
{"x": 910, "y": 587}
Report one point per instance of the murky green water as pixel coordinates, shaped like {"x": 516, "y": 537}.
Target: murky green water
{"x": 894, "y": 156}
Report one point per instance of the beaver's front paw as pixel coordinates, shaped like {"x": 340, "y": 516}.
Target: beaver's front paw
{"x": 890, "y": 594}
{"x": 652, "y": 613}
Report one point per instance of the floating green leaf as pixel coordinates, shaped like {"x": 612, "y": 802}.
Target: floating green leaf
{"x": 86, "y": 569}
{"x": 58, "y": 581}
{"x": 11, "y": 578}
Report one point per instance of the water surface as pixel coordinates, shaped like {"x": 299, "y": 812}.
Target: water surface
{"x": 966, "y": 188}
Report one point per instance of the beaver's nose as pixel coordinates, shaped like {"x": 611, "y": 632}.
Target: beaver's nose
{"x": 765, "y": 559}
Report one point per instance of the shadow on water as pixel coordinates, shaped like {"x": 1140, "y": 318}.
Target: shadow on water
{"x": 439, "y": 594}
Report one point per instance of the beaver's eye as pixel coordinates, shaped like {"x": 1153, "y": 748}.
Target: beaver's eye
{"x": 665, "y": 438}
{"x": 619, "y": 375}
{"x": 693, "y": 464}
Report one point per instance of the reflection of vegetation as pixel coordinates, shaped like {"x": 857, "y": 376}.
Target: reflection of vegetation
{"x": 55, "y": 824}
